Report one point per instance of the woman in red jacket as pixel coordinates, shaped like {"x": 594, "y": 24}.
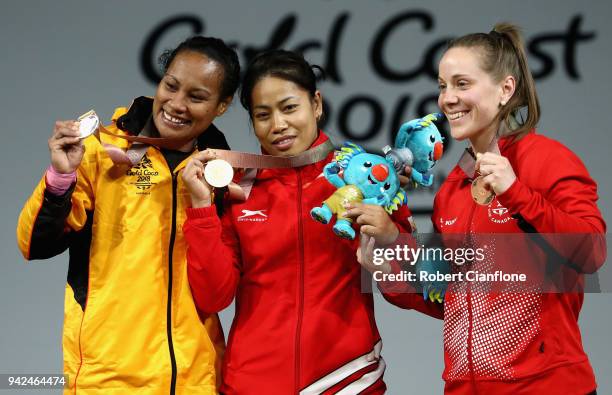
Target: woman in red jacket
{"x": 302, "y": 324}
{"x": 538, "y": 198}
{"x": 519, "y": 342}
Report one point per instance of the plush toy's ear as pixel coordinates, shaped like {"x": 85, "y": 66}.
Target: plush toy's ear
{"x": 407, "y": 128}
{"x": 403, "y": 135}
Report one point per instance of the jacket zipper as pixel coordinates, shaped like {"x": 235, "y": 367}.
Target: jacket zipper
{"x": 169, "y": 307}
{"x": 300, "y": 284}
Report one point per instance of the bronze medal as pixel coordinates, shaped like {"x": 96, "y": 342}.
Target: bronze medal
{"x": 480, "y": 193}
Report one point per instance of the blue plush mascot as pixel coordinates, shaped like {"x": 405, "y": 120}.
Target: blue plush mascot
{"x": 366, "y": 178}
{"x": 418, "y": 144}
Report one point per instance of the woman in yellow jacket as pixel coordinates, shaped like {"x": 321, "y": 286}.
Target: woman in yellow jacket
{"x": 130, "y": 324}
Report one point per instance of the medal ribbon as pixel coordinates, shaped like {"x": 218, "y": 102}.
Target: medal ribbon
{"x": 243, "y": 160}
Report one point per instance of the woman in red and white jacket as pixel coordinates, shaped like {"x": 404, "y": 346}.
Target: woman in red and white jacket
{"x": 540, "y": 219}
{"x": 302, "y": 323}
{"x": 518, "y": 342}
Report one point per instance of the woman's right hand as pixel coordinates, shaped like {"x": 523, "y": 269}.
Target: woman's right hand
{"x": 365, "y": 255}
{"x": 193, "y": 177}
{"x": 66, "y": 147}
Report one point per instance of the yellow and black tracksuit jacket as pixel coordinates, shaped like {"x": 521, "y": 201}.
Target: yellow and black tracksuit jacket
{"x": 130, "y": 324}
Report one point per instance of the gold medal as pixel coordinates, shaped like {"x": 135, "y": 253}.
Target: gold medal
{"x": 218, "y": 173}
{"x": 480, "y": 193}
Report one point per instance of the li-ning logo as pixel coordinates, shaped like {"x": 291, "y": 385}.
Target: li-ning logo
{"x": 253, "y": 216}
{"x": 142, "y": 174}
{"x": 498, "y": 213}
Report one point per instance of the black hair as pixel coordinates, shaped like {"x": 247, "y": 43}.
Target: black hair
{"x": 287, "y": 65}
{"x": 216, "y": 50}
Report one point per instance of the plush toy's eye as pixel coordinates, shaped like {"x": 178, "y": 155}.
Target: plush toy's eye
{"x": 387, "y": 186}
{"x": 432, "y": 138}
{"x": 367, "y": 164}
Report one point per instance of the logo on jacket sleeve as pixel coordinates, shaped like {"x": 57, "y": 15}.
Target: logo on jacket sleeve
{"x": 253, "y": 216}
{"x": 498, "y": 213}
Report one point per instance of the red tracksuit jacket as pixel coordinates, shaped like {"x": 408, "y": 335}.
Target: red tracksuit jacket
{"x": 521, "y": 343}
{"x": 302, "y": 324}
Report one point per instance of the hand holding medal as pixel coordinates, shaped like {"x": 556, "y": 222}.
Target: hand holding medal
{"x": 495, "y": 176}
{"x": 197, "y": 184}
{"x": 66, "y": 147}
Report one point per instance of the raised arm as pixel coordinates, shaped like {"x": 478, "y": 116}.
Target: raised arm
{"x": 60, "y": 203}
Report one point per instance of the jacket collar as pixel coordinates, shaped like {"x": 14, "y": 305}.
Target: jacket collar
{"x": 467, "y": 160}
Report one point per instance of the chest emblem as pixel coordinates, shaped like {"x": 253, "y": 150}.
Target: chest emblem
{"x": 497, "y": 213}
{"x": 142, "y": 176}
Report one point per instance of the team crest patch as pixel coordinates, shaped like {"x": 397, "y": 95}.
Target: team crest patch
{"x": 498, "y": 213}
{"x": 143, "y": 176}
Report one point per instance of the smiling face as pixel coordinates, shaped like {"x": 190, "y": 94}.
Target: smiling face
{"x": 284, "y": 116}
{"x": 374, "y": 176}
{"x": 187, "y": 98}
{"x": 469, "y": 97}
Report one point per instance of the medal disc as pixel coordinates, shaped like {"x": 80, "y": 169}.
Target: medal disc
{"x": 88, "y": 124}
{"x": 218, "y": 173}
{"x": 480, "y": 193}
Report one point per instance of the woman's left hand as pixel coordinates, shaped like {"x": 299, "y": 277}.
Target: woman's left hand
{"x": 374, "y": 221}
{"x": 496, "y": 171}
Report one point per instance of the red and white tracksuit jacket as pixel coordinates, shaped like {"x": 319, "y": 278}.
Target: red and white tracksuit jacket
{"x": 302, "y": 323}
{"x": 521, "y": 343}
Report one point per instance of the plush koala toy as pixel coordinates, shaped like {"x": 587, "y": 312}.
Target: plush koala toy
{"x": 365, "y": 178}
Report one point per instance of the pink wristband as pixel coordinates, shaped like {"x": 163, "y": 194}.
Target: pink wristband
{"x": 58, "y": 183}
